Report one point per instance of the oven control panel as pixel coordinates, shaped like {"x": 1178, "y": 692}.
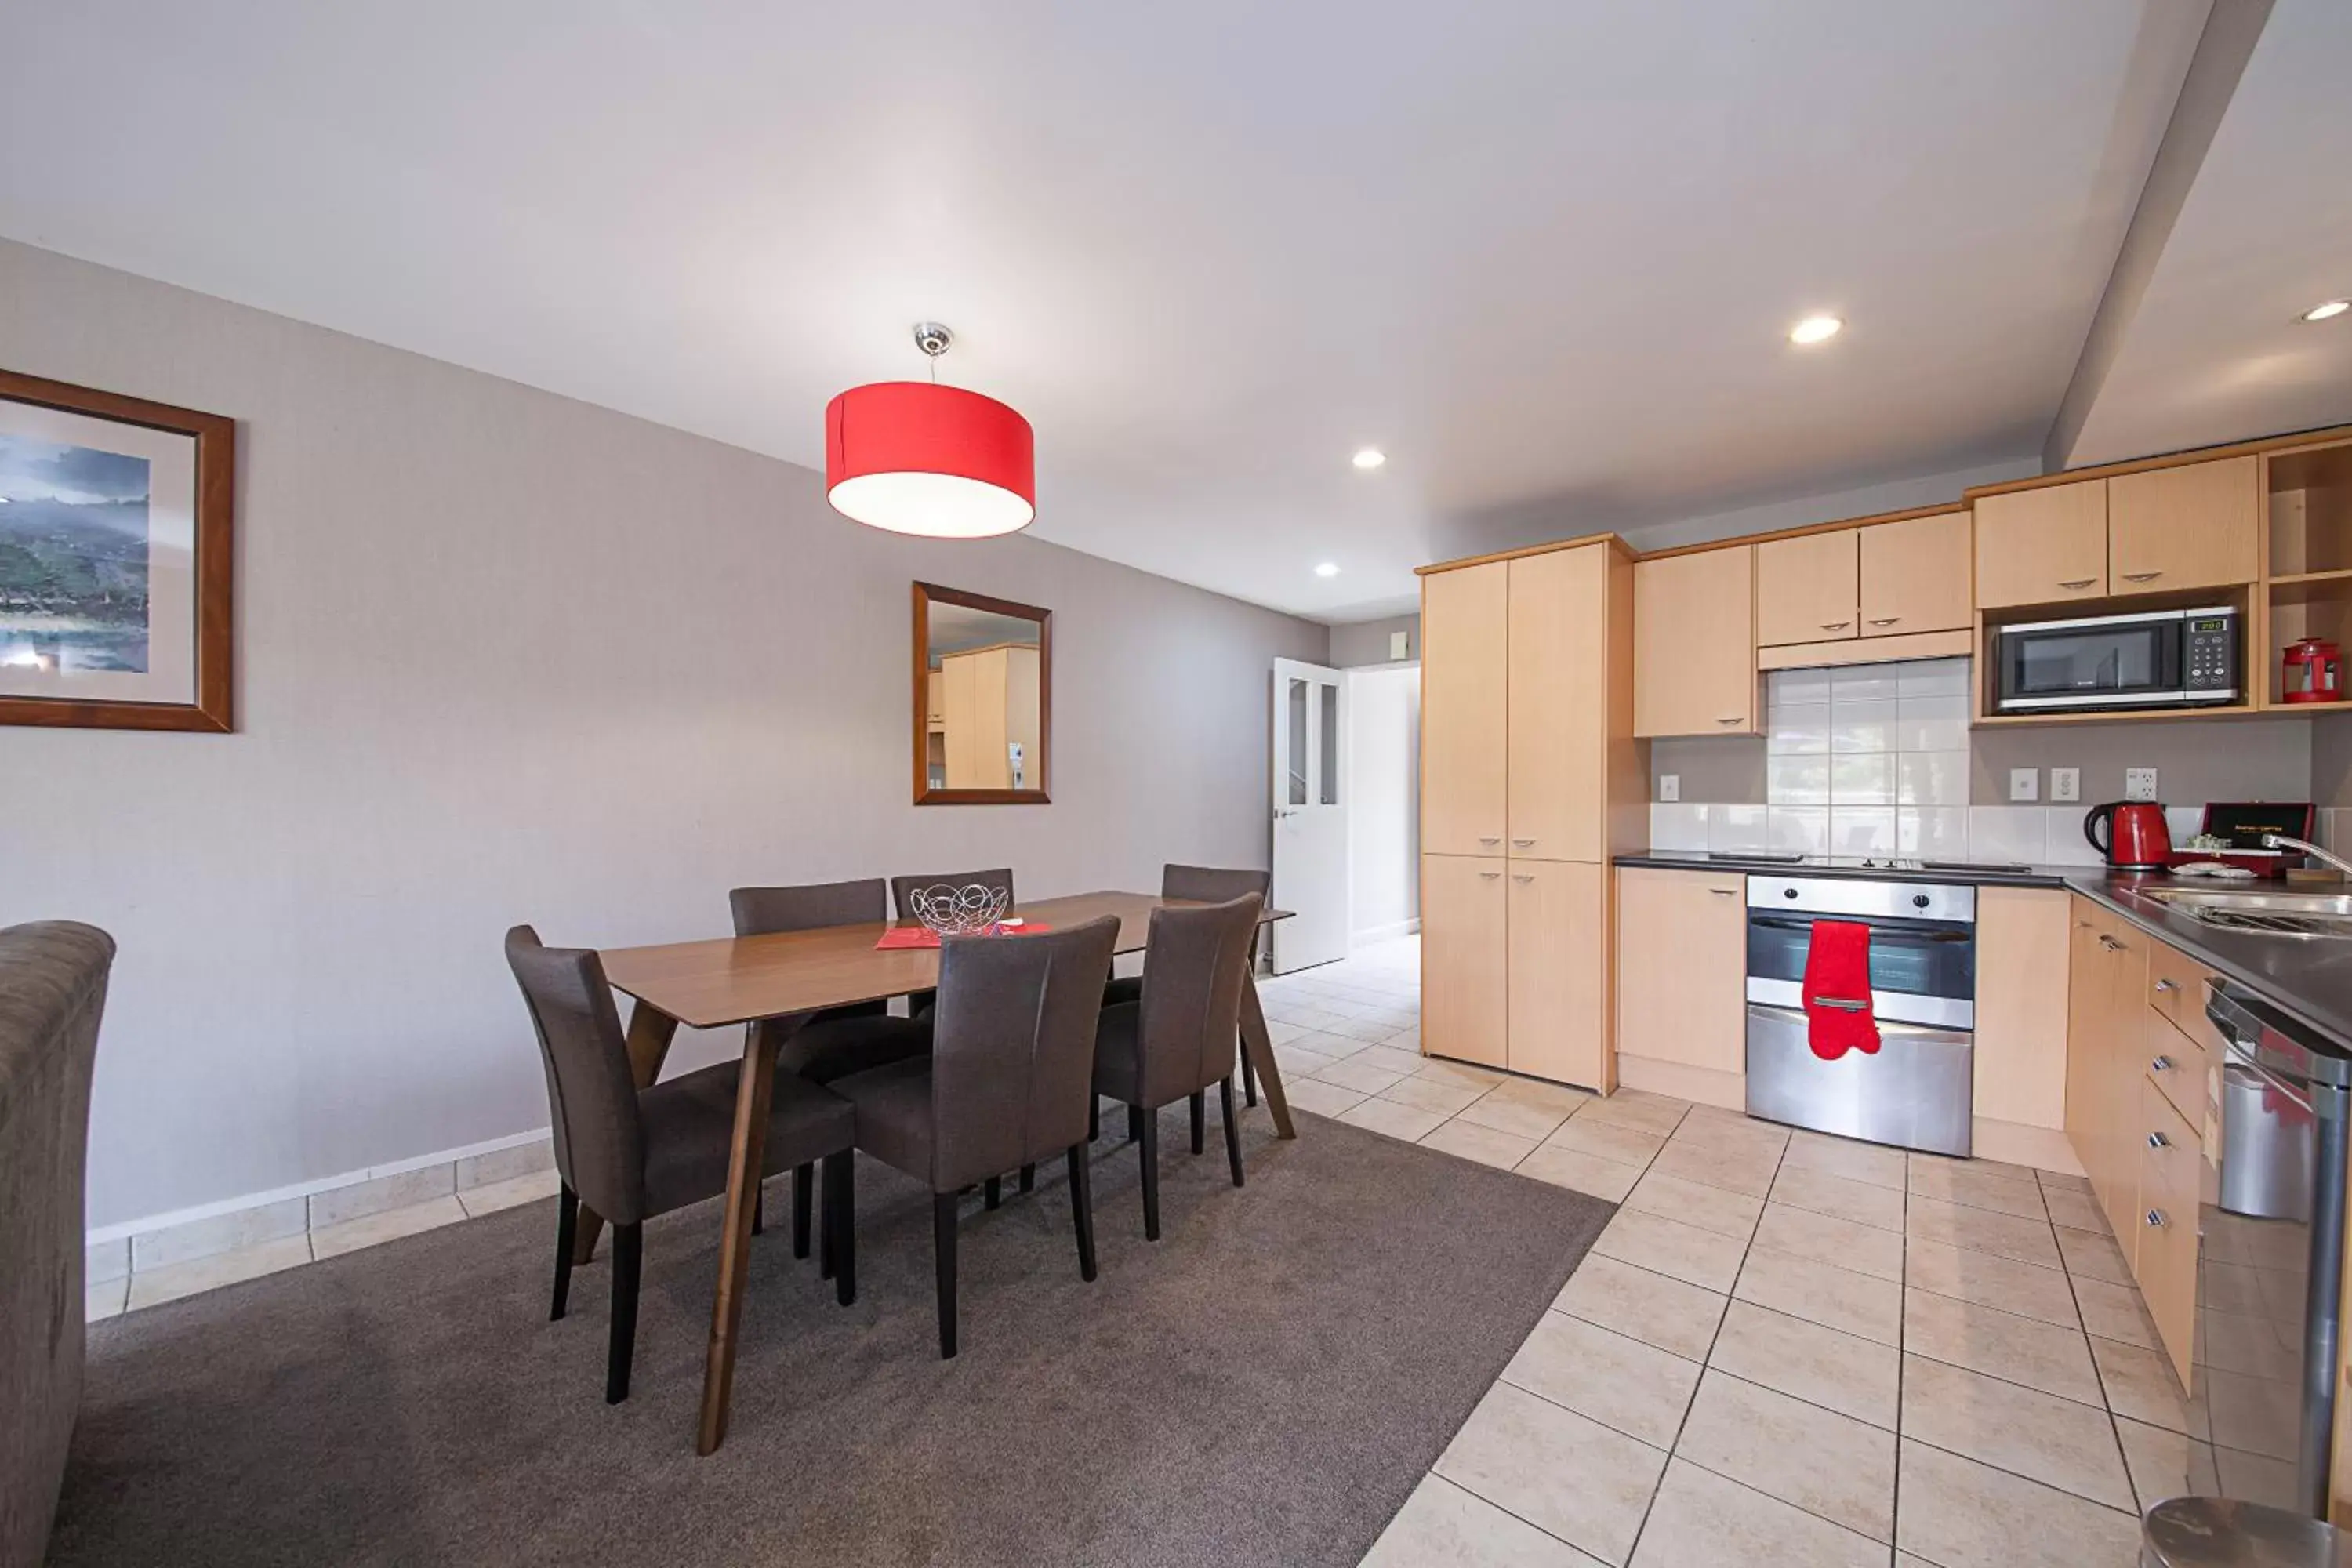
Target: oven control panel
{"x": 1854, "y": 898}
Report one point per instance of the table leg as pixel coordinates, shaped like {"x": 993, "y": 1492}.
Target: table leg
{"x": 754, "y": 1090}
{"x": 650, "y": 1033}
{"x": 1260, "y": 1046}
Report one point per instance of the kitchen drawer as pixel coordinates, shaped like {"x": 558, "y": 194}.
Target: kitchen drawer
{"x": 2176, "y": 984}
{"x": 2165, "y": 1259}
{"x": 2176, "y": 1063}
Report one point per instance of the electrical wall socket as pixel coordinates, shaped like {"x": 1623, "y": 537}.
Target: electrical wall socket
{"x": 1669, "y": 786}
{"x": 2139, "y": 784}
{"x": 2065, "y": 784}
{"x": 2025, "y": 783}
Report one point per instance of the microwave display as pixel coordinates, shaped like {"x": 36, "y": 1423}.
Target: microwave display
{"x": 2156, "y": 659}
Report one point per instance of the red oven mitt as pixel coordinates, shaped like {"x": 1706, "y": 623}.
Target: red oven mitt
{"x": 1837, "y": 971}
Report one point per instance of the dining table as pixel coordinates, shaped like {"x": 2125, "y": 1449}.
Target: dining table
{"x": 788, "y": 977}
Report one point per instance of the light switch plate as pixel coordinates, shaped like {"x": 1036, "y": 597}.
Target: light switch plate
{"x": 2139, "y": 784}
{"x": 1669, "y": 786}
{"x": 2025, "y": 783}
{"x": 1399, "y": 642}
{"x": 2065, "y": 784}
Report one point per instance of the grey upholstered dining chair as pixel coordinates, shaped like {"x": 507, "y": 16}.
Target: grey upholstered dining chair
{"x": 1207, "y": 885}
{"x": 902, "y": 888}
{"x": 631, "y": 1154}
{"x": 1006, "y": 1083}
{"x": 838, "y": 1040}
{"x": 1179, "y": 1037}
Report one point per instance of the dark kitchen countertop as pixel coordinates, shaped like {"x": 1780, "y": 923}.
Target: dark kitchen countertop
{"x": 1693, "y": 860}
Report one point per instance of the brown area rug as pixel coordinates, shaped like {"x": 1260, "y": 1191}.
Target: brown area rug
{"x": 1264, "y": 1385}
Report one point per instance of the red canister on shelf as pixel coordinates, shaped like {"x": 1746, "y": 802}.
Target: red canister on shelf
{"x": 2313, "y": 671}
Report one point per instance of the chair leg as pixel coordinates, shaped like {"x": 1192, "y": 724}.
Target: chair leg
{"x": 803, "y": 1185}
{"x": 840, "y": 1240}
{"x": 1093, "y": 1118}
{"x": 1082, "y": 1212}
{"x": 1233, "y": 1130}
{"x": 627, "y": 1260}
{"x": 759, "y": 1210}
{"x": 1134, "y": 1123}
{"x": 992, "y": 1192}
{"x": 567, "y": 1228}
{"x": 1029, "y": 1177}
{"x": 1200, "y": 1119}
{"x": 943, "y": 1248}
{"x": 1150, "y": 1143}
{"x": 1249, "y": 1080}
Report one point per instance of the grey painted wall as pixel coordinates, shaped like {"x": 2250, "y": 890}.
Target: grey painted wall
{"x": 506, "y": 657}
{"x": 1367, "y": 642}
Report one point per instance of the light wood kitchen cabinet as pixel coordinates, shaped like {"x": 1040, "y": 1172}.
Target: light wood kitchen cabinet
{"x": 1694, "y": 644}
{"x": 1682, "y": 966}
{"x": 2126, "y": 994}
{"x": 988, "y": 707}
{"x": 2022, "y": 959}
{"x": 1916, "y": 575}
{"x": 1464, "y": 708}
{"x": 2193, "y": 526}
{"x": 1559, "y": 979}
{"x": 1559, "y": 704}
{"x": 2042, "y": 546}
{"x": 2087, "y": 1071}
{"x": 1809, "y": 588}
{"x": 2164, "y": 1249}
{"x": 1465, "y": 928}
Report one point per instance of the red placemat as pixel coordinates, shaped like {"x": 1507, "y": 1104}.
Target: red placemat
{"x": 923, "y": 936}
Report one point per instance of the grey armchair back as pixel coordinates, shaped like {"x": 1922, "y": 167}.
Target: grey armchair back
{"x": 1194, "y": 963}
{"x": 599, "y": 1145}
{"x": 53, "y": 979}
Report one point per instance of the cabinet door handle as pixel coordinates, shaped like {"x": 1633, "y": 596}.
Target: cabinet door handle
{"x": 1523, "y": 876}
{"x": 2142, "y": 576}
{"x": 1735, "y": 718}
{"x": 2156, "y": 1219}
{"x": 2158, "y": 1140}
{"x": 2111, "y": 944}
{"x": 2159, "y": 1063}
{"x": 1836, "y": 626}
{"x": 1490, "y": 839}
{"x": 1884, "y": 620}
{"x": 1724, "y": 893}
{"x": 2164, "y": 986}
{"x": 1524, "y": 843}
{"x": 2079, "y": 583}
{"x": 1488, "y": 876}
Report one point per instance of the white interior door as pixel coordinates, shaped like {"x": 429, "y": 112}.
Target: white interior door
{"x": 1310, "y": 819}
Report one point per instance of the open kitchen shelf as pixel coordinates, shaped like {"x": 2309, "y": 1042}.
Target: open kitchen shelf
{"x": 2308, "y": 526}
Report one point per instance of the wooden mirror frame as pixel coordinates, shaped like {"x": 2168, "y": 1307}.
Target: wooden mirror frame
{"x": 930, "y": 594}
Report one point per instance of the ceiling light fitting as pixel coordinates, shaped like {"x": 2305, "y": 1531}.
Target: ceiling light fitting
{"x": 914, "y": 457}
{"x": 1370, "y": 457}
{"x": 1815, "y": 330}
{"x": 2327, "y": 309}
{"x": 1329, "y": 569}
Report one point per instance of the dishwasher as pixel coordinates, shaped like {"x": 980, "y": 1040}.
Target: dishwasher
{"x": 2271, "y": 1260}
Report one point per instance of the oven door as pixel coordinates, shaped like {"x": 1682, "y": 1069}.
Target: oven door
{"x": 2100, "y": 663}
{"x": 1916, "y": 1091}
{"x": 1921, "y": 971}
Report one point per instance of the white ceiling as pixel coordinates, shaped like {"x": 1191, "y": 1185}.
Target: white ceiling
{"x": 1542, "y": 252}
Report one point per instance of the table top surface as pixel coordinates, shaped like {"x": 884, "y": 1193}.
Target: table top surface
{"x": 733, "y": 979}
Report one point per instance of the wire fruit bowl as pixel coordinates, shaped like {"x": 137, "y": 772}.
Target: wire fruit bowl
{"x": 973, "y": 909}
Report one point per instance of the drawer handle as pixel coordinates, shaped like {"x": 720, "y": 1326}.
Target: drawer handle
{"x": 1840, "y": 1003}
{"x": 1523, "y": 876}
{"x": 2079, "y": 583}
{"x": 1884, "y": 620}
{"x": 1724, "y": 893}
{"x": 1490, "y": 839}
{"x": 2163, "y": 985}
{"x": 2159, "y": 1063}
{"x": 1524, "y": 843}
{"x": 2111, "y": 944}
{"x": 1836, "y": 626}
{"x": 2142, "y": 576}
{"x": 2158, "y": 1140}
{"x": 1488, "y": 876}
{"x": 2156, "y": 1219}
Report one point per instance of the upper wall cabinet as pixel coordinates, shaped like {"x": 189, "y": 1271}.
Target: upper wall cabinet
{"x": 1464, "y": 708}
{"x": 1915, "y": 575}
{"x": 2189, "y": 527}
{"x": 1694, "y": 644}
{"x": 2040, "y": 546}
{"x": 1808, "y": 589}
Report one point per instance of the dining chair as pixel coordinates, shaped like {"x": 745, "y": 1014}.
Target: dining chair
{"x": 633, "y": 1155}
{"x": 838, "y": 1040}
{"x": 1206, "y": 885}
{"x": 1006, "y": 1083}
{"x": 920, "y": 1003}
{"x": 1180, "y": 1036}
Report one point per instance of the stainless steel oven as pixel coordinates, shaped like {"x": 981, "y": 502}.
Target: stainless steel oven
{"x": 2155, "y": 659}
{"x": 1916, "y": 1091}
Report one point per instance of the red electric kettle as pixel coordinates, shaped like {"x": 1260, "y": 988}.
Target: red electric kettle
{"x": 2135, "y": 839}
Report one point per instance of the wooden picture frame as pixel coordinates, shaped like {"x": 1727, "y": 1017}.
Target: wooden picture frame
{"x": 926, "y": 596}
{"x": 199, "y": 616}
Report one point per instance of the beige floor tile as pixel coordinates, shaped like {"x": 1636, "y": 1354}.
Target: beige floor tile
{"x": 1656, "y": 1308}
{"x": 104, "y": 1299}
{"x": 1822, "y": 1462}
{"x": 2166, "y": 1464}
{"x": 1405, "y": 1064}
{"x": 1339, "y": 1047}
{"x": 1565, "y": 1099}
{"x": 1730, "y": 1133}
{"x": 2228, "y": 1341}
{"x": 1505, "y": 1112}
{"x": 1607, "y": 1140}
{"x": 2079, "y": 1210}
{"x": 1979, "y": 1189}
{"x": 1709, "y": 1208}
{"x": 1483, "y": 1145}
{"x": 1432, "y": 1094}
{"x": 1442, "y": 1526}
{"x": 1958, "y": 1514}
{"x": 2114, "y": 1312}
{"x": 1404, "y": 1121}
{"x": 2058, "y": 1182}
{"x": 1617, "y": 1381}
{"x": 1981, "y": 1230}
{"x": 1821, "y": 1293}
{"x": 150, "y": 1286}
{"x": 2141, "y": 1384}
{"x": 1864, "y": 1203}
{"x": 2093, "y": 1256}
{"x": 1703, "y": 1257}
{"x": 512, "y": 1193}
{"x": 2255, "y": 1478}
{"x": 2026, "y": 1289}
{"x": 1747, "y": 1172}
{"x": 2041, "y": 1355}
{"x": 1702, "y": 1518}
{"x": 1567, "y": 1168}
{"x": 1977, "y": 1167}
{"x": 1351, "y": 1073}
{"x": 1822, "y": 1366}
{"x": 1322, "y": 1099}
{"x": 2258, "y": 1414}
{"x": 1297, "y": 1061}
{"x": 1444, "y": 1071}
{"x": 371, "y": 1230}
{"x": 1856, "y": 1162}
{"x": 1825, "y": 1238}
{"x": 2021, "y": 1430}
{"x": 1579, "y": 1480}
{"x": 1656, "y": 1113}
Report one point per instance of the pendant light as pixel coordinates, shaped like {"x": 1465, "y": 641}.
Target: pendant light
{"x": 914, "y": 457}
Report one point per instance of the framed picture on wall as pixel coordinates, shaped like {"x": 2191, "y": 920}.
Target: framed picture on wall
{"x": 115, "y": 560}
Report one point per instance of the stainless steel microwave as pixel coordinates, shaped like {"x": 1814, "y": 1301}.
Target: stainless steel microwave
{"x": 2158, "y": 658}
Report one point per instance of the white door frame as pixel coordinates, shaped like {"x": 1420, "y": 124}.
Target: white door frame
{"x": 1306, "y": 785}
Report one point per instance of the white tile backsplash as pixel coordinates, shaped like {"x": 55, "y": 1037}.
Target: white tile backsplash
{"x": 2067, "y": 844}
{"x": 1931, "y": 778}
{"x": 1861, "y": 830}
{"x": 1863, "y": 778}
{"x": 1736, "y": 827}
{"x": 1932, "y": 832}
{"x": 1932, "y": 676}
{"x": 1802, "y": 730}
{"x": 1863, "y": 726}
{"x": 1678, "y": 825}
{"x": 1932, "y": 723}
{"x": 1803, "y": 828}
{"x": 1794, "y": 688}
{"x": 1865, "y": 683}
{"x": 1797, "y": 780}
{"x": 1884, "y": 796}
{"x": 2009, "y": 833}
{"x": 2183, "y": 823}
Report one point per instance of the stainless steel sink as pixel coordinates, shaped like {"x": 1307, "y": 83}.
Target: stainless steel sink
{"x": 2304, "y": 915}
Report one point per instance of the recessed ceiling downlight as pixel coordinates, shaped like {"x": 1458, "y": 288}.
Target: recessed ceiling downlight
{"x": 1369, "y": 458}
{"x": 1815, "y": 330}
{"x": 1328, "y": 569}
{"x": 2327, "y": 309}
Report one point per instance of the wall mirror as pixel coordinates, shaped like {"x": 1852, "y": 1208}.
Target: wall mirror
{"x": 984, "y": 699}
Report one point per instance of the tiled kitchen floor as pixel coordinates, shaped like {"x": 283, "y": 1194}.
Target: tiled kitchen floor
{"x": 1786, "y": 1349}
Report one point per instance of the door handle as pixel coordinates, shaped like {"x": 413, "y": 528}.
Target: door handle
{"x": 1836, "y": 626}
{"x": 1524, "y": 843}
{"x": 2164, "y": 986}
{"x": 2079, "y": 583}
{"x": 1884, "y": 620}
{"x": 1735, "y": 718}
{"x": 2142, "y": 576}
{"x": 2158, "y": 1140}
{"x": 1840, "y": 1003}
{"x": 2156, "y": 1219}
{"x": 1488, "y": 876}
{"x": 1523, "y": 876}
{"x": 1724, "y": 893}
{"x": 2159, "y": 1063}
{"x": 1490, "y": 839}
{"x": 2111, "y": 944}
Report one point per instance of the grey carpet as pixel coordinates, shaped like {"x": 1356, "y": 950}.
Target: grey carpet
{"x": 1264, "y": 1385}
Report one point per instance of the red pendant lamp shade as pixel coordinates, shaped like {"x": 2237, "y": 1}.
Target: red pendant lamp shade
{"x": 917, "y": 458}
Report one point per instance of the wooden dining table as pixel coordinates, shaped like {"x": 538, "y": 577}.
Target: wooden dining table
{"x": 790, "y": 976}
